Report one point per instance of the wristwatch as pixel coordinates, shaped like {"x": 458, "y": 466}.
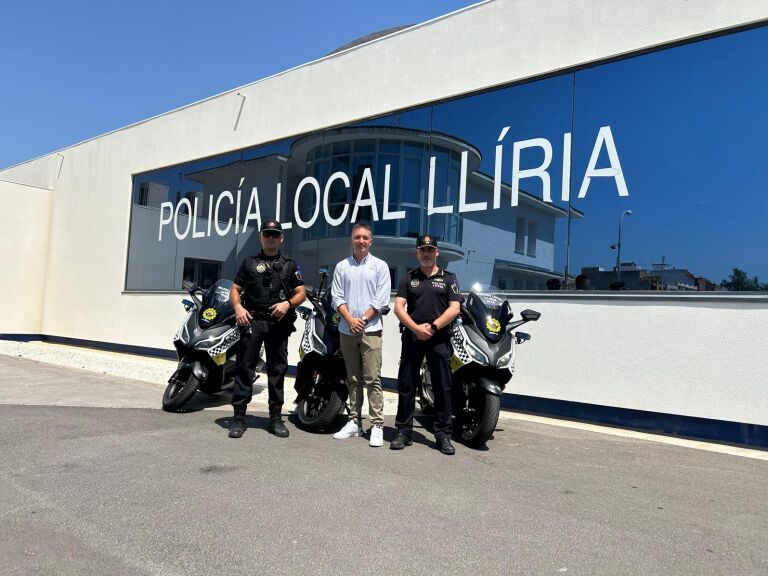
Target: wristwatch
{"x": 433, "y": 326}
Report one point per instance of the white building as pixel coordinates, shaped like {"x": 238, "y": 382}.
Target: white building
{"x": 513, "y": 131}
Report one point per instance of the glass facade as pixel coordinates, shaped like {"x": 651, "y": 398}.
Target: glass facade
{"x": 646, "y": 173}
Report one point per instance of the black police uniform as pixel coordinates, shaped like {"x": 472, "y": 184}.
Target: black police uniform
{"x": 427, "y": 298}
{"x": 266, "y": 280}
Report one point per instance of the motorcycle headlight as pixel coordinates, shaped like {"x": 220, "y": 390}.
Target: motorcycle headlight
{"x": 318, "y": 345}
{"x": 475, "y": 353}
{"x": 207, "y": 343}
{"x": 506, "y": 360}
{"x": 216, "y": 345}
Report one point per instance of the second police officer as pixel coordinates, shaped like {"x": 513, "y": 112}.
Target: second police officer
{"x": 267, "y": 289}
{"x": 427, "y": 301}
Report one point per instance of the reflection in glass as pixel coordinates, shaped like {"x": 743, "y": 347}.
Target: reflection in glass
{"x": 689, "y": 125}
{"x": 521, "y": 246}
{"x": 676, "y": 136}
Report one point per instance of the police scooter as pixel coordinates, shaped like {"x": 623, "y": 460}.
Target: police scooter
{"x": 205, "y": 345}
{"x": 483, "y": 361}
{"x": 321, "y": 375}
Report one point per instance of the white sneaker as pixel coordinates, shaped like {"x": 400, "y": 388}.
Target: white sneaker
{"x": 350, "y": 429}
{"x": 377, "y": 436}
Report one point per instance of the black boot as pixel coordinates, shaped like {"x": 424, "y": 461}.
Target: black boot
{"x": 444, "y": 445}
{"x": 237, "y": 427}
{"x": 400, "y": 441}
{"x": 276, "y": 425}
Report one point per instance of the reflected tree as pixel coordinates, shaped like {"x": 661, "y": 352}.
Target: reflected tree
{"x": 739, "y": 281}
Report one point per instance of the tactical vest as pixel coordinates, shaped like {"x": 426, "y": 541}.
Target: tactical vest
{"x": 268, "y": 284}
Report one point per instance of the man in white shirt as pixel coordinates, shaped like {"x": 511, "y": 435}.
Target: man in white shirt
{"x": 360, "y": 289}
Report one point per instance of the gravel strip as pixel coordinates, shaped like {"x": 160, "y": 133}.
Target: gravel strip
{"x": 134, "y": 367}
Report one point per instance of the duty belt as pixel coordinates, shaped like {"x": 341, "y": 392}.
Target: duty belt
{"x": 262, "y": 315}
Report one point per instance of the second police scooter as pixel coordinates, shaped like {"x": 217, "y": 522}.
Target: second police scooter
{"x": 205, "y": 345}
{"x": 484, "y": 345}
{"x": 321, "y": 375}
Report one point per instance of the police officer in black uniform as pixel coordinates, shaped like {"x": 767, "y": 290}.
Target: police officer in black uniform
{"x": 267, "y": 289}
{"x": 427, "y": 301}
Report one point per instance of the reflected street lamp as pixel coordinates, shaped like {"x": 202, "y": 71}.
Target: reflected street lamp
{"x": 617, "y": 246}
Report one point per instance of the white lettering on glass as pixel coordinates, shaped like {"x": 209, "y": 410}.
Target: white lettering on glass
{"x": 367, "y": 198}
{"x": 315, "y": 202}
{"x": 538, "y": 172}
{"x": 604, "y": 136}
{"x": 366, "y": 183}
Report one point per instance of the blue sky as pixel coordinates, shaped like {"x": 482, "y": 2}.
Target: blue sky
{"x": 73, "y": 70}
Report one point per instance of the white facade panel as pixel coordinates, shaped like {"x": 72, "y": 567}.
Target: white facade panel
{"x": 700, "y": 359}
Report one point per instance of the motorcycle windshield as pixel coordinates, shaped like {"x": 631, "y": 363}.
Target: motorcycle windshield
{"x": 216, "y": 307}
{"x": 332, "y": 318}
{"x": 488, "y": 311}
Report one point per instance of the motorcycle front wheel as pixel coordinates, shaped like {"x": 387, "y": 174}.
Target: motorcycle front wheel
{"x": 179, "y": 392}
{"x": 480, "y": 416}
{"x": 316, "y": 412}
{"x": 426, "y": 395}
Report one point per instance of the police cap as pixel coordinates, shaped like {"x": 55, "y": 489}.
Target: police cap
{"x": 426, "y": 240}
{"x": 271, "y": 225}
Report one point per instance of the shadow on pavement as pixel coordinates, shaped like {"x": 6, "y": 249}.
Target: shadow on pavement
{"x": 201, "y": 400}
{"x": 252, "y": 421}
{"x": 426, "y": 420}
{"x": 334, "y": 427}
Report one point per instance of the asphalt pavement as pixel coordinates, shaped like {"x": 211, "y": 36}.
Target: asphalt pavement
{"x": 91, "y": 489}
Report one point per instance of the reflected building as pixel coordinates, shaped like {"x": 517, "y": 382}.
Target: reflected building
{"x": 660, "y": 277}
{"x": 511, "y": 248}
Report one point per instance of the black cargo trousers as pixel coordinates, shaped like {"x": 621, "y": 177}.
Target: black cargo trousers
{"x": 437, "y": 351}
{"x": 273, "y": 335}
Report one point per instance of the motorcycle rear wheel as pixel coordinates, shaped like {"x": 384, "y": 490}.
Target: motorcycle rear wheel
{"x": 479, "y": 421}
{"x": 176, "y": 394}
{"x": 317, "y": 413}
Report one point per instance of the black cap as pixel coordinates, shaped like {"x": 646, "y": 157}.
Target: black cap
{"x": 271, "y": 225}
{"x": 426, "y": 240}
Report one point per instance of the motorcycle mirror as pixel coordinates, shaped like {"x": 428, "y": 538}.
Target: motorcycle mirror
{"x": 530, "y": 315}
{"x": 304, "y": 312}
{"x": 189, "y": 286}
{"x": 323, "y": 276}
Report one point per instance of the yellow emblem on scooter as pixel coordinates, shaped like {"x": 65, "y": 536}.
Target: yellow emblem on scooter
{"x": 493, "y": 325}
{"x": 209, "y": 314}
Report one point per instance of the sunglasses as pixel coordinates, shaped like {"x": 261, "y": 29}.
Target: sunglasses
{"x": 271, "y": 234}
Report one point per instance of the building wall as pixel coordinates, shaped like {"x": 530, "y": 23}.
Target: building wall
{"x": 687, "y": 357}
{"x": 667, "y": 357}
{"x": 25, "y": 221}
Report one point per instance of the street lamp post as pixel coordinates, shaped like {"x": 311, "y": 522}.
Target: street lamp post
{"x": 617, "y": 246}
